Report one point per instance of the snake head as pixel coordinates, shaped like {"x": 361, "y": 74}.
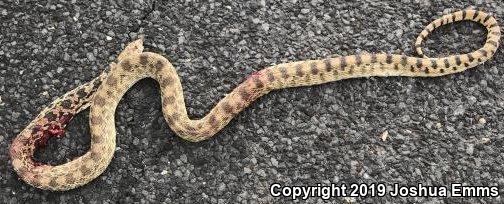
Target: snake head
{"x": 133, "y": 48}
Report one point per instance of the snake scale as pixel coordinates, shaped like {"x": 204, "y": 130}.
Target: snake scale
{"x": 103, "y": 93}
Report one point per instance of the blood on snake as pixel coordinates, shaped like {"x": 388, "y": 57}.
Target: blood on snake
{"x": 103, "y": 93}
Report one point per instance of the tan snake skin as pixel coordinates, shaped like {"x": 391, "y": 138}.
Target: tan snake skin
{"x": 103, "y": 94}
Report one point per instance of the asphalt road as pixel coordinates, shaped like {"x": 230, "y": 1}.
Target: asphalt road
{"x": 440, "y": 130}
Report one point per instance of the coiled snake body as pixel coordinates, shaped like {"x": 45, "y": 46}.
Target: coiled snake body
{"x": 104, "y": 92}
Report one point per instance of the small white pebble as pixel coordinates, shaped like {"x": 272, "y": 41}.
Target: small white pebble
{"x": 485, "y": 140}
{"x": 438, "y": 125}
{"x": 108, "y": 38}
{"x": 384, "y": 135}
{"x": 482, "y": 121}
{"x": 164, "y": 172}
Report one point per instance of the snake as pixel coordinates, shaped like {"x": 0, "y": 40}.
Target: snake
{"x": 103, "y": 93}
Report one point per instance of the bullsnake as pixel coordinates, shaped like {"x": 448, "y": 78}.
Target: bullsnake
{"x": 103, "y": 93}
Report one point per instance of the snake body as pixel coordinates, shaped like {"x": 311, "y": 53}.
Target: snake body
{"x": 104, "y": 92}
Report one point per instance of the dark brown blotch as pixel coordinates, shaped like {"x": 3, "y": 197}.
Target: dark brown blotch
{"x": 457, "y": 60}
{"x": 244, "y": 94}
{"x": 95, "y": 156}
{"x": 81, "y": 93}
{"x": 299, "y": 70}
{"x": 404, "y": 60}
{"x": 98, "y": 100}
{"x": 95, "y": 120}
{"x": 283, "y": 70}
{"x": 166, "y": 81}
{"x": 96, "y": 139}
{"x": 50, "y": 116}
{"x": 389, "y": 59}
{"x": 168, "y": 100}
{"x": 343, "y": 63}
{"x": 446, "y": 63}
{"x": 314, "y": 69}
{"x": 175, "y": 117}
{"x": 212, "y": 121}
{"x": 258, "y": 83}
{"x": 470, "y": 57}
{"x": 434, "y": 64}
{"x": 111, "y": 81}
{"x": 483, "y": 52}
{"x": 491, "y": 42}
{"x": 159, "y": 65}
{"x": 327, "y": 65}
{"x": 486, "y": 19}
{"x": 69, "y": 179}
{"x": 228, "y": 109}
{"x": 271, "y": 77}
{"x": 144, "y": 59}
{"x": 358, "y": 59}
{"x": 84, "y": 170}
{"x": 66, "y": 104}
{"x": 419, "y": 63}
{"x": 53, "y": 182}
{"x": 374, "y": 59}
{"x": 126, "y": 65}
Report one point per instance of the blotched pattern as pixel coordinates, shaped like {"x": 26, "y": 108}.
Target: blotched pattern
{"x": 103, "y": 93}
